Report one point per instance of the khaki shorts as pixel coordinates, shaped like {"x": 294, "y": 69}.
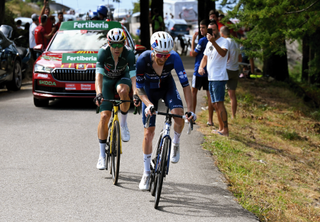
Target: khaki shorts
{"x": 233, "y": 79}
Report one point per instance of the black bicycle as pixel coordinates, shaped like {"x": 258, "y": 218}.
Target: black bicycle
{"x": 161, "y": 155}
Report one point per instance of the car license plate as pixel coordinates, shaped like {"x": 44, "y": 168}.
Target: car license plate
{"x": 79, "y": 86}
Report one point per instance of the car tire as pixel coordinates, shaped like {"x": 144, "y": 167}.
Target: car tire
{"x": 16, "y": 82}
{"x": 40, "y": 102}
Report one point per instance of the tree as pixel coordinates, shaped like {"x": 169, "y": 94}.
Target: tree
{"x": 144, "y": 23}
{"x": 2, "y": 11}
{"x": 271, "y": 23}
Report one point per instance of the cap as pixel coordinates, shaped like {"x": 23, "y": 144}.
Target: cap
{"x": 34, "y": 17}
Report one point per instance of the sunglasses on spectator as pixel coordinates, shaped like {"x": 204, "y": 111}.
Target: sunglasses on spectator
{"x": 159, "y": 55}
{"x": 116, "y": 45}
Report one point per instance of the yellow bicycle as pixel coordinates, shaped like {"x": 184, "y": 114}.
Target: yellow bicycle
{"x": 113, "y": 146}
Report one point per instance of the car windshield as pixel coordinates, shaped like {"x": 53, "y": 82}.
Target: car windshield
{"x": 180, "y": 27}
{"x": 78, "y": 40}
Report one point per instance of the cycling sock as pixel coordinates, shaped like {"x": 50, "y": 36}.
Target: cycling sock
{"x": 146, "y": 160}
{"x": 123, "y": 118}
{"x": 102, "y": 144}
{"x": 176, "y": 137}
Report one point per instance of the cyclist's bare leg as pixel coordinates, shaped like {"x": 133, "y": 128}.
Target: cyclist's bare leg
{"x": 147, "y": 148}
{"x": 103, "y": 125}
{"x": 123, "y": 91}
{"x": 147, "y": 140}
{"x": 178, "y": 122}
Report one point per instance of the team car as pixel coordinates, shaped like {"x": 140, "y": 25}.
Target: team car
{"x": 66, "y": 69}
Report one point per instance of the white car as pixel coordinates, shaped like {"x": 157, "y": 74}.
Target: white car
{"x": 120, "y": 13}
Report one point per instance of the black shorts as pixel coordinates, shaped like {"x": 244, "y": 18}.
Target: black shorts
{"x": 200, "y": 82}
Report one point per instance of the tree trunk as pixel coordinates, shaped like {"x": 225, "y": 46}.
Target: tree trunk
{"x": 2, "y": 11}
{"x": 204, "y": 7}
{"x": 276, "y": 66}
{"x": 144, "y": 23}
{"x": 305, "y": 58}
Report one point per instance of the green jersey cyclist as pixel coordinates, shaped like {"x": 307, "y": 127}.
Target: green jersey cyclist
{"x": 114, "y": 69}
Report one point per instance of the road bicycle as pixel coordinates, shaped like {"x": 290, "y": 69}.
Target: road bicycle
{"x": 114, "y": 146}
{"x": 161, "y": 155}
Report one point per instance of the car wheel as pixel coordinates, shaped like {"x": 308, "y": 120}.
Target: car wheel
{"x": 16, "y": 82}
{"x": 40, "y": 102}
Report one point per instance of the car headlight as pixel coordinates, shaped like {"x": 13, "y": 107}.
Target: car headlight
{"x": 41, "y": 68}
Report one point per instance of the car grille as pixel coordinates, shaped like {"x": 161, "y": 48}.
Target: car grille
{"x": 74, "y": 74}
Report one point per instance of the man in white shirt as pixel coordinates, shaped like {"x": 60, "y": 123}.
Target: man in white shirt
{"x": 232, "y": 68}
{"x": 32, "y": 41}
{"x": 215, "y": 58}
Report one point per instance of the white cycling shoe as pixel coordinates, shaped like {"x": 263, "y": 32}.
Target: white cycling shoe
{"x": 144, "y": 184}
{"x": 101, "y": 165}
{"x": 175, "y": 153}
{"x": 125, "y": 134}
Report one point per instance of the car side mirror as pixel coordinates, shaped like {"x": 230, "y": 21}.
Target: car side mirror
{"x": 38, "y": 48}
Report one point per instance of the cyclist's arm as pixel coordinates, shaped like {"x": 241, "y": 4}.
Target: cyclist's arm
{"x": 140, "y": 81}
{"x": 178, "y": 66}
{"x": 99, "y": 72}
{"x": 132, "y": 71}
{"x": 188, "y": 97}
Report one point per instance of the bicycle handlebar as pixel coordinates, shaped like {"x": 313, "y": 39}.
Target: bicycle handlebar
{"x": 170, "y": 115}
{"x": 115, "y": 102}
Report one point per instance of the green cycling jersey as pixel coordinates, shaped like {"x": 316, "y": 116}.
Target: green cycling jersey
{"x": 106, "y": 66}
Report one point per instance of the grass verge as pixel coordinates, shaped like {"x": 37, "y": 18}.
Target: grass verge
{"x": 272, "y": 156}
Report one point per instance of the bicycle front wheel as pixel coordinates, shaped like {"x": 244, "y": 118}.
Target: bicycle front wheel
{"x": 115, "y": 155}
{"x": 162, "y": 171}
{"x": 154, "y": 156}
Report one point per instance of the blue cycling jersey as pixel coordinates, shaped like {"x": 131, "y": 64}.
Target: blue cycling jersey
{"x": 146, "y": 74}
{"x": 201, "y": 46}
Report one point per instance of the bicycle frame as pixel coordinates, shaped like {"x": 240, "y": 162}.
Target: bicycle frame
{"x": 114, "y": 118}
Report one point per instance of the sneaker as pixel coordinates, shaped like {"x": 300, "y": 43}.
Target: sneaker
{"x": 125, "y": 134}
{"x": 175, "y": 153}
{"x": 101, "y": 165}
{"x": 144, "y": 184}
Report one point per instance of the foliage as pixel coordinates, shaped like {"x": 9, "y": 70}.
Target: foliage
{"x": 271, "y": 22}
{"x": 136, "y": 7}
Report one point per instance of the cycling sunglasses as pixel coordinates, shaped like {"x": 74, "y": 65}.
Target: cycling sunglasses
{"x": 116, "y": 45}
{"x": 159, "y": 55}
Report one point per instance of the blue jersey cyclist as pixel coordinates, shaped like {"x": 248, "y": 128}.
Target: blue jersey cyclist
{"x": 154, "y": 82}
{"x": 114, "y": 72}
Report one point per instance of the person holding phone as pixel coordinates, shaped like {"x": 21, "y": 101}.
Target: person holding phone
{"x": 215, "y": 58}
{"x": 200, "y": 81}
{"x": 48, "y": 26}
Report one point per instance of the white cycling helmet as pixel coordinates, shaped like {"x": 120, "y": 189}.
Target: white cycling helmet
{"x": 161, "y": 42}
{"x": 116, "y": 35}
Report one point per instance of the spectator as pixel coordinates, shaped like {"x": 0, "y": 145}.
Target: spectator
{"x": 46, "y": 11}
{"x": 32, "y": 41}
{"x": 166, "y": 17}
{"x": 57, "y": 25}
{"x": 157, "y": 21}
{"x": 232, "y": 68}
{"x": 216, "y": 57}
{"x": 40, "y": 34}
{"x": 200, "y": 81}
{"x": 171, "y": 15}
{"x": 19, "y": 26}
{"x": 213, "y": 16}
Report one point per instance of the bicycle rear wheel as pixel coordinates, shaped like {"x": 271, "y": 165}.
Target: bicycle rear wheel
{"x": 115, "y": 155}
{"x": 161, "y": 172}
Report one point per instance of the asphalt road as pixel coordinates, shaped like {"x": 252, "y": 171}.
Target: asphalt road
{"x": 48, "y": 169}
